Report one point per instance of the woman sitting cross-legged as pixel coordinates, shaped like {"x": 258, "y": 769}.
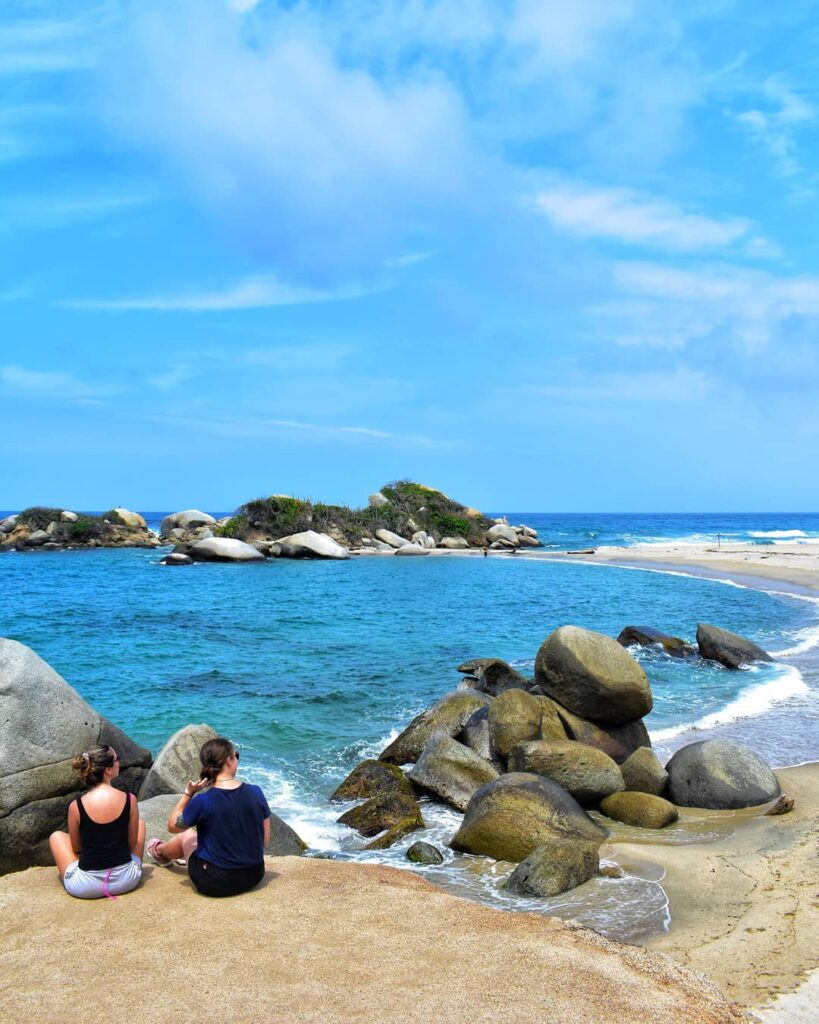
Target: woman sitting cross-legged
{"x": 101, "y": 854}
{"x": 222, "y": 830}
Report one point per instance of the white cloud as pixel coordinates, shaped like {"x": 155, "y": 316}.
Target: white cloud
{"x": 624, "y": 215}
{"x": 776, "y": 128}
{"x": 39, "y": 384}
{"x": 724, "y": 304}
{"x": 677, "y": 385}
{"x": 408, "y": 259}
{"x": 252, "y": 293}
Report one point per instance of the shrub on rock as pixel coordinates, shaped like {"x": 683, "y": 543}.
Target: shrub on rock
{"x": 640, "y": 809}
{"x": 555, "y": 866}
{"x": 720, "y": 775}
{"x": 593, "y": 676}
{"x": 451, "y": 771}
{"x": 585, "y": 772}
{"x": 508, "y": 818}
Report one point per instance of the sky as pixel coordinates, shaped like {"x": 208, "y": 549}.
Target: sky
{"x": 543, "y": 255}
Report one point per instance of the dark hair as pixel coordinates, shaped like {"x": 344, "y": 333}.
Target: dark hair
{"x": 213, "y": 755}
{"x": 91, "y": 764}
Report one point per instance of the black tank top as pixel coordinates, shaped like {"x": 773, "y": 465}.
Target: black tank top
{"x": 104, "y": 845}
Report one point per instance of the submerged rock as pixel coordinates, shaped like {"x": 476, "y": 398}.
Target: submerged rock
{"x": 721, "y": 775}
{"x": 646, "y": 636}
{"x": 729, "y": 649}
{"x": 593, "y": 676}
{"x": 508, "y": 818}
{"x": 557, "y": 865}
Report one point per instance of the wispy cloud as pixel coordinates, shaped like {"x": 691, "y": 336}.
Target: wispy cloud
{"x": 626, "y": 216}
{"x": 19, "y": 381}
{"x": 408, "y": 259}
{"x": 677, "y": 385}
{"x": 252, "y": 293}
{"x": 46, "y": 213}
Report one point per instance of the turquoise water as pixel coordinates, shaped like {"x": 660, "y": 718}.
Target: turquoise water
{"x": 311, "y": 666}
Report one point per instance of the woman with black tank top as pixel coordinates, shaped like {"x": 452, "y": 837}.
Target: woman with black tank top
{"x": 101, "y": 854}
{"x": 222, "y": 826}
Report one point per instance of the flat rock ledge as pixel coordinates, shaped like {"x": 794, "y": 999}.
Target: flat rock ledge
{"x": 425, "y": 955}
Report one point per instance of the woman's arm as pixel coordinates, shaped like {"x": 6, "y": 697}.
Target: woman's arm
{"x": 74, "y": 826}
{"x": 191, "y": 790}
{"x": 266, "y": 832}
{"x": 133, "y": 821}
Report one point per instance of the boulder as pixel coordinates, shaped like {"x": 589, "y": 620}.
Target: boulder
{"x": 382, "y": 812}
{"x": 37, "y": 538}
{"x": 371, "y": 778}
{"x": 551, "y": 726}
{"x": 557, "y": 865}
{"x": 284, "y": 841}
{"x": 585, "y": 772}
{"x": 593, "y": 676}
{"x": 388, "y": 537}
{"x": 378, "y": 500}
{"x": 397, "y": 831}
{"x": 224, "y": 549}
{"x": 514, "y": 716}
{"x": 640, "y": 809}
{"x": 132, "y": 519}
{"x": 643, "y": 773}
{"x": 729, "y": 649}
{"x": 411, "y": 549}
{"x": 618, "y": 741}
{"x": 155, "y": 812}
{"x": 424, "y": 853}
{"x": 451, "y": 771}
{"x": 721, "y": 775}
{"x": 501, "y": 532}
{"x": 8, "y": 524}
{"x": 494, "y": 676}
{"x": 187, "y": 520}
{"x": 476, "y": 736}
{"x": 43, "y": 725}
{"x": 68, "y": 517}
{"x": 178, "y": 762}
{"x": 310, "y": 544}
{"x": 176, "y": 558}
{"x": 645, "y": 636}
{"x": 448, "y": 716}
{"x": 473, "y": 665}
{"x": 528, "y": 542}
{"x": 453, "y": 543}
{"x": 508, "y": 818}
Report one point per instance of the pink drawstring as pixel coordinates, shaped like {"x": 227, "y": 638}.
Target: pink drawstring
{"x": 105, "y": 891}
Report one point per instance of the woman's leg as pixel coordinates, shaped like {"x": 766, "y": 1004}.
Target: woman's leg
{"x": 61, "y": 850}
{"x": 139, "y": 846}
{"x": 181, "y": 846}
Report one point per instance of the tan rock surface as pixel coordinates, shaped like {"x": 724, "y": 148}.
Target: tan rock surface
{"x": 322, "y": 941}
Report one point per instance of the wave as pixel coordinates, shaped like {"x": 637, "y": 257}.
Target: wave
{"x": 777, "y": 533}
{"x": 749, "y": 703}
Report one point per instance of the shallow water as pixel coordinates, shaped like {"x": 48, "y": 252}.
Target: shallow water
{"x": 311, "y": 666}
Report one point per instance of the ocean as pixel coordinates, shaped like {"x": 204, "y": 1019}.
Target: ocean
{"x": 313, "y": 666}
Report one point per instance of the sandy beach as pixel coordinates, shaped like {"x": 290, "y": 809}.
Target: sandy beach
{"x": 794, "y": 564}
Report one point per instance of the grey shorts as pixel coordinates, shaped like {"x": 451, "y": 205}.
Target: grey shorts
{"x": 92, "y": 885}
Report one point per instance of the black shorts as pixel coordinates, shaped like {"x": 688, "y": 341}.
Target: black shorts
{"x": 211, "y": 880}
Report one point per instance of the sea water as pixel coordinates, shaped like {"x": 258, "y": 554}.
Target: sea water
{"x": 312, "y": 666}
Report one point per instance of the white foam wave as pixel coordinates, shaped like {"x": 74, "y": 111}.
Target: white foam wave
{"x": 807, "y": 638}
{"x": 777, "y": 533}
{"x": 749, "y": 703}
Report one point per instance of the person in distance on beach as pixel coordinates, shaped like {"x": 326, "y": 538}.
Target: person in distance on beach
{"x": 101, "y": 854}
{"x": 222, "y": 826}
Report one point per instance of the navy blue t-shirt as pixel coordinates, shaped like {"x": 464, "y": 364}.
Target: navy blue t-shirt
{"x": 229, "y": 825}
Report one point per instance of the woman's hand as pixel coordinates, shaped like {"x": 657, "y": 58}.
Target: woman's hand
{"x": 192, "y": 788}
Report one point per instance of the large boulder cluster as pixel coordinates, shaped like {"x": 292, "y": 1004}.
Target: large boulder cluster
{"x": 54, "y": 529}
{"x": 713, "y": 643}
{"x": 538, "y": 765}
{"x": 43, "y": 725}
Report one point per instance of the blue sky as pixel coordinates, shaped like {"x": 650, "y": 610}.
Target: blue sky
{"x": 544, "y": 255}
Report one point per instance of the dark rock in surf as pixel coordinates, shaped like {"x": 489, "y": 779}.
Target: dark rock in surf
{"x": 646, "y": 636}
{"x": 729, "y": 649}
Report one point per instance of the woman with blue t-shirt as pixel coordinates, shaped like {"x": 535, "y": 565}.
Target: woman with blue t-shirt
{"x": 221, "y": 830}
